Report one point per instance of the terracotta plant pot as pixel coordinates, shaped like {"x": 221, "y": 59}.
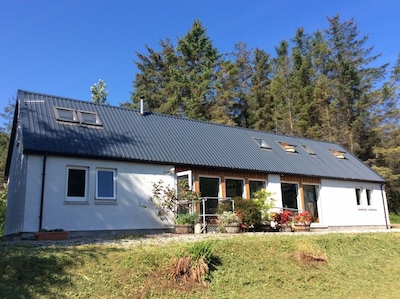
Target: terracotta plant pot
{"x": 56, "y": 235}
{"x": 302, "y": 227}
{"x": 184, "y": 229}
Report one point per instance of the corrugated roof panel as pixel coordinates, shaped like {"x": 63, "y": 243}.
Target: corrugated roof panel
{"x": 125, "y": 134}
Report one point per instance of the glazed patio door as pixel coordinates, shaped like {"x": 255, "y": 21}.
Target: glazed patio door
{"x": 310, "y": 200}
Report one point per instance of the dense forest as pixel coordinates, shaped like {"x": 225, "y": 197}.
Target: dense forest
{"x": 324, "y": 85}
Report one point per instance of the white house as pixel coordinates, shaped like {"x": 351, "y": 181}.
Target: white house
{"x": 89, "y": 169}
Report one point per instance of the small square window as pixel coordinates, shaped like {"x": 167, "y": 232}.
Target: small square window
{"x": 90, "y": 118}
{"x": 65, "y": 114}
{"x": 76, "y": 184}
{"x": 262, "y": 143}
{"x": 106, "y": 184}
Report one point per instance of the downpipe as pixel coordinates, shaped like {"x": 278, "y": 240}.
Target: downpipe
{"x": 384, "y": 207}
{"x": 42, "y": 193}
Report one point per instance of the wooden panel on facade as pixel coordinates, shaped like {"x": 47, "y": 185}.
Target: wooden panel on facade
{"x": 300, "y": 179}
{"x": 222, "y": 174}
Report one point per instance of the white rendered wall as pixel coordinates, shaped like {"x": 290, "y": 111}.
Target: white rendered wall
{"x": 274, "y": 186}
{"x": 338, "y": 204}
{"x": 134, "y": 188}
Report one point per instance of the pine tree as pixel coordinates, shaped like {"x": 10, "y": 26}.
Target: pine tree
{"x": 353, "y": 81}
{"x": 196, "y": 74}
{"x": 302, "y": 86}
{"x": 281, "y": 91}
{"x": 156, "y": 81}
{"x": 260, "y": 92}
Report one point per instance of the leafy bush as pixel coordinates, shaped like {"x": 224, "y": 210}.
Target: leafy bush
{"x": 182, "y": 219}
{"x": 265, "y": 203}
{"x": 251, "y": 216}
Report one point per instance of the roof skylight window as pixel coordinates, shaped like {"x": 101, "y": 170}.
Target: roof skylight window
{"x": 66, "y": 114}
{"x": 90, "y": 118}
{"x": 261, "y": 143}
{"x": 309, "y": 150}
{"x": 338, "y": 154}
{"x": 74, "y": 116}
{"x": 289, "y": 148}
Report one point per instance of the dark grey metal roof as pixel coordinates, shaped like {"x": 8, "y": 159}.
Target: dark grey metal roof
{"x": 127, "y": 135}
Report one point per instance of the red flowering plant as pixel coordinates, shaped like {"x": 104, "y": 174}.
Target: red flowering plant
{"x": 283, "y": 217}
{"x": 303, "y": 218}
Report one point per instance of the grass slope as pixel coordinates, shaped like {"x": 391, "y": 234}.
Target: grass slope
{"x": 247, "y": 266}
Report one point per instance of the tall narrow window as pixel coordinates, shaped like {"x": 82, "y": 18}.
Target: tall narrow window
{"x": 76, "y": 184}
{"x": 105, "y": 182}
{"x": 368, "y": 193}
{"x": 358, "y": 196}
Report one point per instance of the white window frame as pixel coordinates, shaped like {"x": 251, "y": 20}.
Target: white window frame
{"x": 77, "y": 199}
{"x": 74, "y": 115}
{"x": 102, "y": 198}
{"x": 81, "y": 114}
{"x": 187, "y": 173}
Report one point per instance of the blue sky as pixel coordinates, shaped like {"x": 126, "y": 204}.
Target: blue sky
{"x": 63, "y": 47}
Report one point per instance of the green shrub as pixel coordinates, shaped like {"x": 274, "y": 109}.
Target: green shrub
{"x": 251, "y": 216}
{"x": 182, "y": 219}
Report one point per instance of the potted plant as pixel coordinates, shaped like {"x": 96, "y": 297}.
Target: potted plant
{"x": 264, "y": 202}
{"x": 249, "y": 213}
{"x": 302, "y": 221}
{"x": 284, "y": 219}
{"x": 184, "y": 223}
{"x": 51, "y": 234}
{"x": 229, "y": 222}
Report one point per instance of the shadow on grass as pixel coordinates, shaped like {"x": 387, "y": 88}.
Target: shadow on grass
{"x": 31, "y": 272}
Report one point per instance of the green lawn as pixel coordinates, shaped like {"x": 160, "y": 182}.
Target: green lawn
{"x": 245, "y": 266}
{"x": 394, "y": 218}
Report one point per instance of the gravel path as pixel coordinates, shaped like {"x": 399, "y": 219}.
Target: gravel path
{"x": 161, "y": 239}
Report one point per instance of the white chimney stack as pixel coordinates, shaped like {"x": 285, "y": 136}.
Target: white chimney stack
{"x": 141, "y": 106}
